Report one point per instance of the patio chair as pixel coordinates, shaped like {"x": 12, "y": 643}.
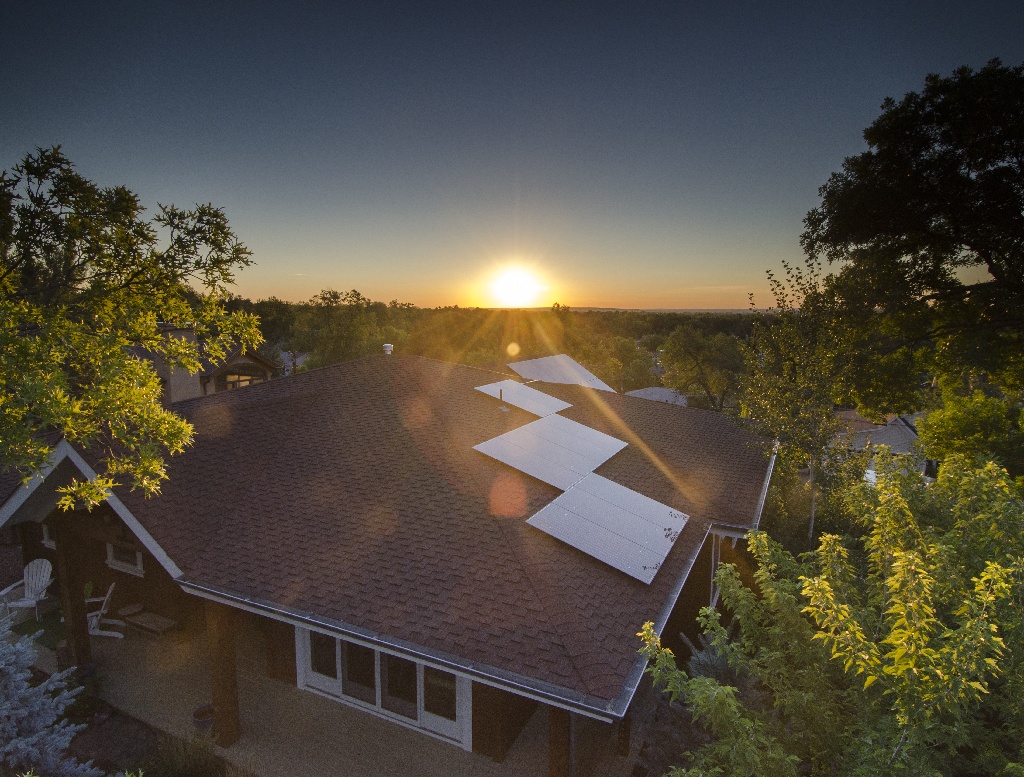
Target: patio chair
{"x": 34, "y": 584}
{"x": 96, "y": 619}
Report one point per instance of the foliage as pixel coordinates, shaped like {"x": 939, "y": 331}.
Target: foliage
{"x": 795, "y": 716}
{"x": 83, "y": 278}
{"x": 795, "y": 370}
{"x": 902, "y": 652}
{"x": 710, "y": 366}
{"x": 928, "y": 224}
{"x": 975, "y": 425}
{"x": 618, "y": 361}
{"x": 34, "y": 733}
{"x": 188, "y": 757}
{"x": 337, "y": 326}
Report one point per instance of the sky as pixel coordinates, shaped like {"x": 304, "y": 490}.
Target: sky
{"x": 623, "y": 155}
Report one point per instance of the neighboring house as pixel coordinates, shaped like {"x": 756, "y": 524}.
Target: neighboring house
{"x": 898, "y": 434}
{"x": 362, "y": 514}
{"x": 239, "y": 369}
{"x": 659, "y": 394}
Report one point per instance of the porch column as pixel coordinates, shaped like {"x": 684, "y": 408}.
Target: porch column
{"x": 72, "y": 592}
{"x": 624, "y": 736}
{"x": 559, "y": 742}
{"x": 220, "y": 626}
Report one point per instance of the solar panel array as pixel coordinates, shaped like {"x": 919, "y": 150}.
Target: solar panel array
{"x": 522, "y": 396}
{"x": 614, "y": 524}
{"x": 559, "y": 369}
{"x": 553, "y": 449}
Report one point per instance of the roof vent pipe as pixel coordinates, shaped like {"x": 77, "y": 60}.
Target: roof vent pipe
{"x": 388, "y": 348}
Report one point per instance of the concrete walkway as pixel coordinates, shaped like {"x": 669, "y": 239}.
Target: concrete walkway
{"x": 287, "y": 731}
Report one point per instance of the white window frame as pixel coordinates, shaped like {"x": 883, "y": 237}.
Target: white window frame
{"x": 48, "y": 538}
{"x": 459, "y": 731}
{"x": 131, "y": 569}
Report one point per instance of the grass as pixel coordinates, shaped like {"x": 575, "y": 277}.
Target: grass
{"x": 51, "y": 626}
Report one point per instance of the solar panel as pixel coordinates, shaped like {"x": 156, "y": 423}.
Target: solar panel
{"x": 524, "y": 397}
{"x": 614, "y": 524}
{"x": 606, "y": 546}
{"x": 553, "y": 449}
{"x": 559, "y": 369}
{"x": 571, "y": 434}
{"x": 537, "y": 458}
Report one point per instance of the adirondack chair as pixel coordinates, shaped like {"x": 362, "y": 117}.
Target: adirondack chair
{"x": 34, "y": 584}
{"x": 97, "y": 620}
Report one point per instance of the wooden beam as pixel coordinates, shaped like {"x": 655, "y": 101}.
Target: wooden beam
{"x": 220, "y": 626}
{"x": 72, "y": 591}
{"x": 559, "y": 742}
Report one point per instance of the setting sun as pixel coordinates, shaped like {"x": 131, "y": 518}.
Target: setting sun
{"x": 515, "y": 287}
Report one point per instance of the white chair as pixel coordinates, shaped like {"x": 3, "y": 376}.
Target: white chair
{"x": 96, "y": 619}
{"x": 37, "y": 579}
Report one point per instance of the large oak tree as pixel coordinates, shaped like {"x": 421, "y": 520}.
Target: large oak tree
{"x": 928, "y": 228}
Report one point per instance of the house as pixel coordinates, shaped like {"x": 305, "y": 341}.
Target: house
{"x": 239, "y": 369}
{"x": 898, "y": 434}
{"x": 364, "y": 516}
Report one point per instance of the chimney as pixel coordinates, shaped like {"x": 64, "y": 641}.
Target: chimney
{"x": 388, "y": 348}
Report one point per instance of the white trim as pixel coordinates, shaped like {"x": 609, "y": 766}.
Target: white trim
{"x": 330, "y": 688}
{"x": 47, "y": 540}
{"x": 64, "y": 450}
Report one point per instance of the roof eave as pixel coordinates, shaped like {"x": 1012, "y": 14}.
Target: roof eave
{"x": 548, "y": 693}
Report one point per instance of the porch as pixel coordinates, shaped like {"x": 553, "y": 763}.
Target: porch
{"x": 284, "y": 730}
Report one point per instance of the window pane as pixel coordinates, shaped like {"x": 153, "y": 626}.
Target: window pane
{"x": 398, "y": 681}
{"x": 359, "y": 677}
{"x": 439, "y": 692}
{"x": 323, "y": 655}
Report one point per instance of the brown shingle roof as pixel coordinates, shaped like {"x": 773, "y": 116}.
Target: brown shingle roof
{"x": 352, "y": 493}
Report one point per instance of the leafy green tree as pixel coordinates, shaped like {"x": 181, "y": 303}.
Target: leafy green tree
{"x": 928, "y": 225}
{"x": 83, "y": 278}
{"x": 337, "y": 326}
{"x": 900, "y": 653}
{"x": 975, "y": 425}
{"x": 710, "y": 366}
{"x": 794, "y": 372}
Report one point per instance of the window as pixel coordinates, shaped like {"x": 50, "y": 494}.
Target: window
{"x": 48, "y": 538}
{"x": 125, "y": 558}
{"x": 323, "y": 656}
{"x": 406, "y": 691}
{"x": 359, "y": 673}
{"x": 398, "y": 681}
{"x": 439, "y": 696}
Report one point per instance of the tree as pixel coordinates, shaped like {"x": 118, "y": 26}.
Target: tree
{"x": 336, "y": 326}
{"x": 83, "y": 279}
{"x": 794, "y": 372}
{"x": 902, "y": 652}
{"x": 928, "y": 226}
{"x": 696, "y": 363}
{"x": 34, "y": 734}
{"x": 975, "y": 425}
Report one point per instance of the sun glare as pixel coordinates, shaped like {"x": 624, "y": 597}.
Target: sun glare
{"x": 515, "y": 287}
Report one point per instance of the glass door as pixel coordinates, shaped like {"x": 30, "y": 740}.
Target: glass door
{"x": 440, "y": 702}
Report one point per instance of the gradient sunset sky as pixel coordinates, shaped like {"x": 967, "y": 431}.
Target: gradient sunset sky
{"x": 633, "y": 155}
